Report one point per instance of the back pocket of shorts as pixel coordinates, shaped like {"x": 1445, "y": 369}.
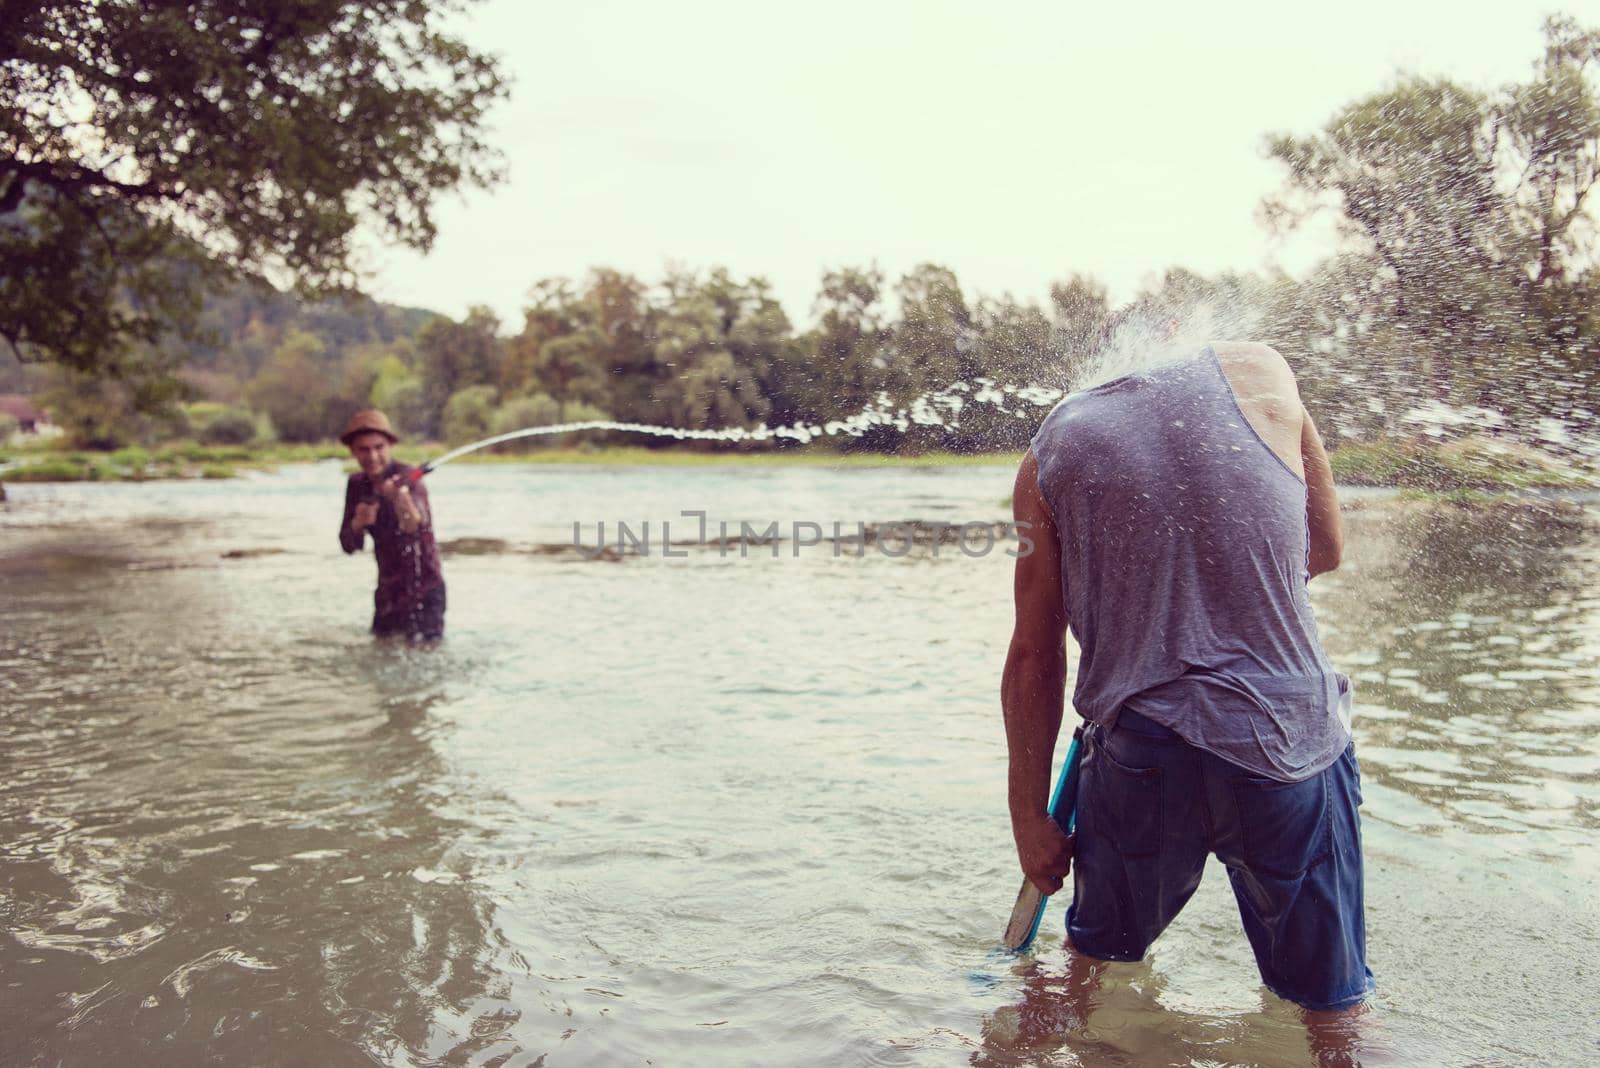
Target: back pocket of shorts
{"x": 1126, "y": 802}
{"x": 1284, "y": 825}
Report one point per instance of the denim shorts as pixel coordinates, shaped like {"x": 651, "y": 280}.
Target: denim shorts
{"x": 1152, "y": 807}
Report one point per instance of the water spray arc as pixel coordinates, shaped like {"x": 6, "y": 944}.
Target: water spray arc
{"x": 941, "y": 408}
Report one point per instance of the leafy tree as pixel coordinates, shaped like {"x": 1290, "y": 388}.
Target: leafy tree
{"x": 1413, "y": 172}
{"x": 407, "y": 407}
{"x": 622, "y": 322}
{"x": 15, "y": 376}
{"x": 390, "y": 374}
{"x": 715, "y": 339}
{"x": 1014, "y": 344}
{"x": 397, "y": 390}
{"x": 467, "y": 414}
{"x": 553, "y": 311}
{"x": 592, "y": 346}
{"x": 353, "y": 375}
{"x": 110, "y": 413}
{"x": 716, "y": 392}
{"x": 850, "y": 342}
{"x": 142, "y": 143}
{"x": 457, "y": 355}
{"x": 293, "y": 390}
{"x": 1471, "y": 218}
{"x": 571, "y": 366}
{"x": 1079, "y": 312}
{"x": 934, "y": 338}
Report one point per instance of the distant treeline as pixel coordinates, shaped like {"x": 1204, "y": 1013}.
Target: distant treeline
{"x": 1469, "y": 278}
{"x": 707, "y": 350}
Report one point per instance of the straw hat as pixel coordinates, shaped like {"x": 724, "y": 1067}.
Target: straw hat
{"x": 363, "y": 421}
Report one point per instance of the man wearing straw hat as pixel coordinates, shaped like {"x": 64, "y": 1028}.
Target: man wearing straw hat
{"x": 380, "y": 500}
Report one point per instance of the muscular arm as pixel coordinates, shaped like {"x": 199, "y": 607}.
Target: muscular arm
{"x": 1033, "y": 688}
{"x": 1322, "y": 501}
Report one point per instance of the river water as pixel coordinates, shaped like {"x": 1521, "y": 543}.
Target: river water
{"x": 712, "y": 808}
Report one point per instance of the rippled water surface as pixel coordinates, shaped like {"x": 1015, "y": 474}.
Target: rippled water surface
{"x": 711, "y": 809}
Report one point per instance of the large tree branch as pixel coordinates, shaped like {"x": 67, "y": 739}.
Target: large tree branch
{"x": 11, "y": 193}
{"x": 76, "y": 176}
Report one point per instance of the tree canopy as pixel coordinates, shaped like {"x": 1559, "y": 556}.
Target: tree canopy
{"x": 143, "y": 142}
{"x": 1472, "y": 264}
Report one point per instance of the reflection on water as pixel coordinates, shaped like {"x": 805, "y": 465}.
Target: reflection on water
{"x": 1473, "y": 636}
{"x": 1090, "y": 1013}
{"x": 705, "y": 809}
{"x": 206, "y": 843}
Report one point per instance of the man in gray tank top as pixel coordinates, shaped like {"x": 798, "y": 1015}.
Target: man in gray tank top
{"x": 1177, "y": 515}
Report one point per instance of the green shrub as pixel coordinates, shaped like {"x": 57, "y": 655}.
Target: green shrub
{"x": 1390, "y": 463}
{"x": 233, "y": 426}
{"x": 467, "y": 414}
{"x": 578, "y": 412}
{"x": 408, "y": 410}
{"x": 132, "y": 457}
{"x": 62, "y": 470}
{"x": 520, "y": 413}
{"x": 1462, "y": 464}
{"x": 168, "y": 425}
{"x": 203, "y": 454}
{"x": 398, "y": 391}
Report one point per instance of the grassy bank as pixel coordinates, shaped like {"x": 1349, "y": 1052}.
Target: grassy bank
{"x": 178, "y": 460}
{"x": 1469, "y": 464}
{"x": 1456, "y": 467}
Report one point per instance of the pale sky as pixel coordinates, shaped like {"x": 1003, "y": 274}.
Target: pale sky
{"x": 1013, "y": 142}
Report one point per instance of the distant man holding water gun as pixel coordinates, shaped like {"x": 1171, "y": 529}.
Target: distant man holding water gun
{"x": 381, "y": 500}
{"x": 1177, "y": 515}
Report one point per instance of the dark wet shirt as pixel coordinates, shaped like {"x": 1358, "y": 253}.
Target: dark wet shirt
{"x": 408, "y": 564}
{"x": 1184, "y": 548}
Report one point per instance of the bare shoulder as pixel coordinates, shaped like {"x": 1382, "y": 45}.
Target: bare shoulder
{"x": 1254, "y": 357}
{"x": 1258, "y": 370}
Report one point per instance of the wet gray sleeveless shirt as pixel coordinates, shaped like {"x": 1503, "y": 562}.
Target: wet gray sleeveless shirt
{"x": 1184, "y": 548}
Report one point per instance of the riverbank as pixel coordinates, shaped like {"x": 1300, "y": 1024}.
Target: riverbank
{"x": 1464, "y": 466}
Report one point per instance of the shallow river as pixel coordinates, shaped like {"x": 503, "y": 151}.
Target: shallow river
{"x": 711, "y": 808}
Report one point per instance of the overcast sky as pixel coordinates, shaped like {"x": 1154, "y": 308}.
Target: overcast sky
{"x": 1013, "y": 142}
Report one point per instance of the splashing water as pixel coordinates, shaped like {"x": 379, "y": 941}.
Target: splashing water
{"x": 937, "y": 408}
